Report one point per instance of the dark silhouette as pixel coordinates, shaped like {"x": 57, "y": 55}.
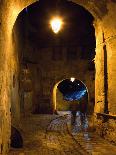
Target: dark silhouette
{"x": 81, "y": 107}
{"x": 74, "y": 107}
{"x": 16, "y": 138}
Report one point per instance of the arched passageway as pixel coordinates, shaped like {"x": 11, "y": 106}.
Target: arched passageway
{"x": 70, "y": 97}
{"x": 67, "y": 91}
{"x": 45, "y": 57}
{"x": 105, "y": 34}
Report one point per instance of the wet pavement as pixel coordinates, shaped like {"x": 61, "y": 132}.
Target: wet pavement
{"x": 49, "y": 135}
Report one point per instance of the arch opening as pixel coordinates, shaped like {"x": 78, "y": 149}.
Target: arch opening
{"x": 66, "y": 92}
{"x": 92, "y": 7}
{"x": 39, "y": 48}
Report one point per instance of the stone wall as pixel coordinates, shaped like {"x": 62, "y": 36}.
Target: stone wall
{"x": 61, "y": 104}
{"x": 106, "y": 128}
{"x": 51, "y": 69}
{"x": 8, "y": 70}
{"x": 9, "y": 10}
{"x": 105, "y": 73}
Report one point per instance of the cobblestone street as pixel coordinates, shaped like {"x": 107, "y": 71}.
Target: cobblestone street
{"x": 38, "y": 141}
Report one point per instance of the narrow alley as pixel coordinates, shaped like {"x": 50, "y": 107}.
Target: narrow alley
{"x": 58, "y": 141}
{"x": 57, "y": 77}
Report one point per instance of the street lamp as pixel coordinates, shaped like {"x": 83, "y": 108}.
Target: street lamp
{"x": 72, "y": 79}
{"x": 56, "y": 24}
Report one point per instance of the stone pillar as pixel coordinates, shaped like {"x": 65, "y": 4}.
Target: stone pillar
{"x": 99, "y": 66}
{"x": 109, "y": 28}
{"x": 111, "y": 48}
{"x": 107, "y": 44}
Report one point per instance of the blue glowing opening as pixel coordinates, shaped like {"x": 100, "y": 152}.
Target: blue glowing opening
{"x": 72, "y": 90}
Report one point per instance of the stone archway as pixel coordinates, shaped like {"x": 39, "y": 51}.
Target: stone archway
{"x": 96, "y": 12}
{"x": 55, "y": 92}
{"x": 103, "y": 13}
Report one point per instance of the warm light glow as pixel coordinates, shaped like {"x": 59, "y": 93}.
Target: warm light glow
{"x": 72, "y": 79}
{"x": 56, "y": 24}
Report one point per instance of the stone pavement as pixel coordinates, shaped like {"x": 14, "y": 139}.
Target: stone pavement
{"x": 38, "y": 141}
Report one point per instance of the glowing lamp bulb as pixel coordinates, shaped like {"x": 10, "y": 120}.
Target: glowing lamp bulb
{"x": 56, "y": 24}
{"x": 72, "y": 79}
